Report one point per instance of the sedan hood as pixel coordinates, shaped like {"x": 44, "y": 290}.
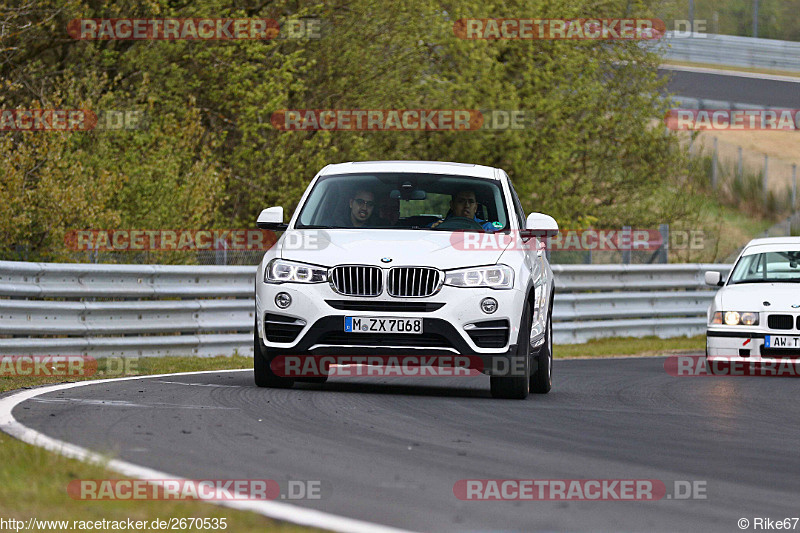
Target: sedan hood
{"x": 441, "y": 249}
{"x": 751, "y": 297}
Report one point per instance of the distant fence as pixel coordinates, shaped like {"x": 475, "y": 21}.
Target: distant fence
{"x": 732, "y": 51}
{"x": 155, "y": 310}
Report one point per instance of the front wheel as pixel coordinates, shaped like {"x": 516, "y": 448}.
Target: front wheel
{"x": 517, "y": 387}
{"x": 542, "y": 379}
{"x": 262, "y": 372}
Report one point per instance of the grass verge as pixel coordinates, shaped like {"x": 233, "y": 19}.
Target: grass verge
{"x": 622, "y": 346}
{"x": 774, "y": 72}
{"x": 33, "y": 481}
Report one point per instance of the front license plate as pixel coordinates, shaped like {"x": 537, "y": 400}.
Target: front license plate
{"x": 781, "y": 341}
{"x": 362, "y": 324}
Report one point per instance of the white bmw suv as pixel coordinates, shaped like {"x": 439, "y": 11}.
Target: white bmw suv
{"x": 408, "y": 257}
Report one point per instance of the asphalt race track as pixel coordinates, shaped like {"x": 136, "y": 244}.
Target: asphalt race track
{"x": 733, "y": 87}
{"x": 389, "y": 451}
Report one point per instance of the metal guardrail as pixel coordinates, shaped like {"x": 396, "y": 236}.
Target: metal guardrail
{"x": 153, "y": 310}
{"x": 595, "y": 301}
{"x": 125, "y": 310}
{"x": 732, "y": 51}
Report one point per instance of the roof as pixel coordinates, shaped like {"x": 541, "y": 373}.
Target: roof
{"x": 431, "y": 167}
{"x": 772, "y": 244}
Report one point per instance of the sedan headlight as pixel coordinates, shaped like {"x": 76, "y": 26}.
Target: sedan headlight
{"x": 282, "y": 271}
{"x": 493, "y": 277}
{"x": 735, "y": 318}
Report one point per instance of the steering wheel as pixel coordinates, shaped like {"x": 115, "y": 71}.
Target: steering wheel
{"x": 459, "y": 223}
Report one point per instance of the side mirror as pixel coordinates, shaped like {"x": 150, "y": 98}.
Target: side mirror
{"x": 272, "y": 218}
{"x": 713, "y": 278}
{"x": 541, "y": 225}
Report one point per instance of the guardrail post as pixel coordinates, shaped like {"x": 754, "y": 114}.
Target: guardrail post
{"x": 663, "y": 250}
{"x": 714, "y": 166}
{"x": 766, "y": 178}
{"x": 626, "y": 254}
{"x": 794, "y": 187}
{"x": 755, "y": 18}
{"x": 222, "y": 252}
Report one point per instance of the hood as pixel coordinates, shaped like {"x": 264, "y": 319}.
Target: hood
{"x": 441, "y": 249}
{"x": 751, "y": 297}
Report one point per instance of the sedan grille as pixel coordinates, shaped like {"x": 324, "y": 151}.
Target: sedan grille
{"x": 355, "y": 280}
{"x": 780, "y": 321}
{"x": 413, "y": 282}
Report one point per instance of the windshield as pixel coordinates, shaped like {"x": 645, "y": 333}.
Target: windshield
{"x": 433, "y": 202}
{"x": 768, "y": 267}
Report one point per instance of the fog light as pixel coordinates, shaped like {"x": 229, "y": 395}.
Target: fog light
{"x": 283, "y": 300}
{"x": 488, "y": 305}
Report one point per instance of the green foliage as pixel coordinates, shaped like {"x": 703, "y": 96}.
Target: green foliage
{"x": 592, "y": 153}
{"x": 777, "y": 19}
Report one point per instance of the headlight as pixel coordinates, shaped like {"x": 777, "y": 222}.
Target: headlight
{"x": 281, "y": 271}
{"x": 493, "y": 277}
{"x": 735, "y": 318}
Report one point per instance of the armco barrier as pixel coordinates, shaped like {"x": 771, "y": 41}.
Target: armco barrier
{"x": 730, "y": 50}
{"x": 594, "y": 301}
{"x": 152, "y": 310}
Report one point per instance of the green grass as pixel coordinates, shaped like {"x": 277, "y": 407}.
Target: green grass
{"x": 33, "y": 481}
{"x": 644, "y": 346}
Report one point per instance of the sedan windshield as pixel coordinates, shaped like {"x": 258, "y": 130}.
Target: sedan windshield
{"x": 768, "y": 267}
{"x": 433, "y": 202}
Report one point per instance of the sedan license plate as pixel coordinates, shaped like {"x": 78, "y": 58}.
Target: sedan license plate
{"x": 363, "y": 324}
{"x": 781, "y": 341}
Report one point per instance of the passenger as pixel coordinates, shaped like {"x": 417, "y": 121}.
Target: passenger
{"x": 389, "y": 212}
{"x": 465, "y": 204}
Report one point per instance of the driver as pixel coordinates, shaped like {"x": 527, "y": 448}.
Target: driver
{"x": 360, "y": 209}
{"x": 465, "y": 204}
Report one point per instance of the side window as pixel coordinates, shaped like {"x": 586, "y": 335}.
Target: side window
{"x": 517, "y": 206}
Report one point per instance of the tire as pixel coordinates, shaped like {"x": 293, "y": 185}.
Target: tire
{"x": 262, "y": 372}
{"x": 517, "y": 387}
{"x": 318, "y": 380}
{"x": 542, "y": 379}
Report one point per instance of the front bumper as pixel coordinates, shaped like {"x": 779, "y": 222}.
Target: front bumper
{"x": 445, "y": 329}
{"x": 738, "y": 344}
